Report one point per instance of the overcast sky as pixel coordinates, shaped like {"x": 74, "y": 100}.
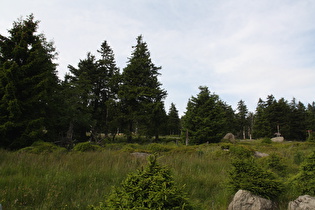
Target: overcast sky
{"x": 240, "y": 49}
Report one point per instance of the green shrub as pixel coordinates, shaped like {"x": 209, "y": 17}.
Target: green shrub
{"x": 305, "y": 179}
{"x": 42, "y": 147}
{"x": 155, "y": 147}
{"x": 183, "y": 150}
{"x": 86, "y": 146}
{"x": 311, "y": 138}
{"x": 241, "y": 151}
{"x": 275, "y": 162}
{"x": 266, "y": 141}
{"x": 114, "y": 146}
{"x": 132, "y": 148}
{"x": 150, "y": 188}
{"x": 226, "y": 146}
{"x": 246, "y": 174}
{"x": 298, "y": 157}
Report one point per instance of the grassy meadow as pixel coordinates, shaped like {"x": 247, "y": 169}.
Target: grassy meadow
{"x": 59, "y": 179}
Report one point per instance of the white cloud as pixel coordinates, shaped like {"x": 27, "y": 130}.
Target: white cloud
{"x": 240, "y": 49}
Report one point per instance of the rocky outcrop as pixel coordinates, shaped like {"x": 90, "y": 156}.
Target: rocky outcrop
{"x": 260, "y": 154}
{"x": 304, "y": 202}
{"x": 245, "y": 200}
{"x": 277, "y": 139}
{"x": 230, "y": 137}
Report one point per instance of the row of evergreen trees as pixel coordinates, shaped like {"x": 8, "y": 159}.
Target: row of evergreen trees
{"x": 208, "y": 119}
{"x": 96, "y": 100}
{"x": 93, "y": 101}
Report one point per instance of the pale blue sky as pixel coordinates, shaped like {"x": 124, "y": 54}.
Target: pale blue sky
{"x": 240, "y": 49}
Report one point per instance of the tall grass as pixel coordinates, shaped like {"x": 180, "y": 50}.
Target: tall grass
{"x": 74, "y": 180}
{"x": 61, "y": 181}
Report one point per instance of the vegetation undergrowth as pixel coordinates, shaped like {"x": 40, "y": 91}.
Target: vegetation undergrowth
{"x": 149, "y": 188}
{"x": 76, "y": 180}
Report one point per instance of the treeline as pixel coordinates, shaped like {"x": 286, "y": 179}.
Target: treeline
{"x": 94, "y": 101}
{"x": 208, "y": 119}
{"x": 97, "y": 101}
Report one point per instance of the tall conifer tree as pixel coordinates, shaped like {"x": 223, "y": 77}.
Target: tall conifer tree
{"x": 96, "y": 85}
{"x": 141, "y": 94}
{"x": 241, "y": 116}
{"x": 107, "y": 111}
{"x": 27, "y": 83}
{"x": 173, "y": 121}
{"x": 207, "y": 118}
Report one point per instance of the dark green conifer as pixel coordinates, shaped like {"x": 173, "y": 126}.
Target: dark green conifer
{"x": 141, "y": 94}
{"x": 207, "y": 118}
{"x": 28, "y": 82}
{"x": 147, "y": 189}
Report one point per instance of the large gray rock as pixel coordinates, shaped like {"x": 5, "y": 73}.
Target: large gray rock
{"x": 245, "y": 200}
{"x": 260, "y": 154}
{"x": 230, "y": 137}
{"x": 277, "y": 139}
{"x": 304, "y": 202}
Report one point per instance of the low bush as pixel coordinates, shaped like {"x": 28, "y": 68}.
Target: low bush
{"x": 246, "y": 174}
{"x": 226, "y": 146}
{"x": 156, "y": 148}
{"x": 43, "y": 147}
{"x": 132, "y": 148}
{"x": 305, "y": 179}
{"x": 183, "y": 150}
{"x": 275, "y": 163}
{"x": 241, "y": 151}
{"x": 298, "y": 157}
{"x": 150, "y": 188}
{"x": 266, "y": 141}
{"x": 86, "y": 146}
{"x": 311, "y": 138}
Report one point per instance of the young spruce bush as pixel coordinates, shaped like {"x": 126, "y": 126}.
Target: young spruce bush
{"x": 305, "y": 179}
{"x": 149, "y": 188}
{"x": 246, "y": 174}
{"x": 241, "y": 151}
{"x": 298, "y": 157}
{"x": 276, "y": 163}
{"x": 86, "y": 146}
{"x": 39, "y": 147}
{"x": 266, "y": 140}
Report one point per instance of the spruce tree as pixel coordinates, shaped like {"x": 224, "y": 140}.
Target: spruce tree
{"x": 173, "y": 121}
{"x": 28, "y": 82}
{"x": 79, "y": 89}
{"x": 310, "y": 120}
{"x": 150, "y": 188}
{"x": 95, "y": 82}
{"x": 261, "y": 121}
{"x": 140, "y": 93}
{"x": 207, "y": 118}
{"x": 297, "y": 121}
{"x": 108, "y": 80}
{"x": 241, "y": 116}
{"x": 289, "y": 119}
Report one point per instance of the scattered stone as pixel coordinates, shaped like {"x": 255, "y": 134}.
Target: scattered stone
{"x": 245, "y": 200}
{"x": 277, "y": 139}
{"x": 304, "y": 202}
{"x": 260, "y": 154}
{"x": 140, "y": 154}
{"x": 230, "y": 137}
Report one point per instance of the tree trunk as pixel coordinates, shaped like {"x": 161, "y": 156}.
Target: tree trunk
{"x": 187, "y": 139}
{"x": 249, "y": 134}
{"x": 129, "y": 135}
{"x": 70, "y": 132}
{"x": 244, "y": 136}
